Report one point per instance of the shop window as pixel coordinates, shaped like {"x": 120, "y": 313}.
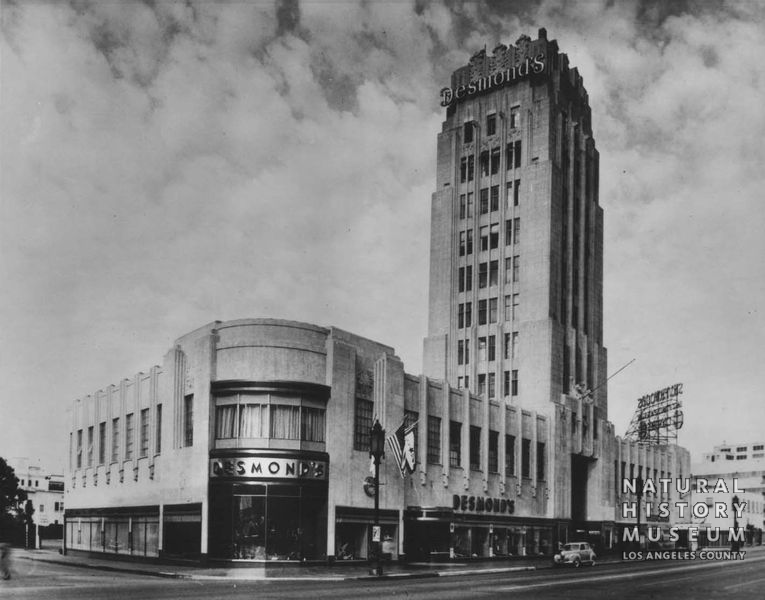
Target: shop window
{"x": 455, "y": 443}
{"x": 510, "y": 455}
{"x": 362, "y": 424}
{"x": 475, "y": 447}
{"x": 434, "y": 440}
{"x": 188, "y": 420}
{"x": 115, "y": 440}
{"x": 525, "y": 458}
{"x": 129, "y": 435}
{"x": 144, "y": 448}
{"x": 493, "y": 451}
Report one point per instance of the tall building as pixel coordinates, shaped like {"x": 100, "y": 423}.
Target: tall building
{"x": 516, "y": 260}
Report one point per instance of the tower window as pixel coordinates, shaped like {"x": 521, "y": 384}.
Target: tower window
{"x": 481, "y": 349}
{"x": 482, "y": 312}
{"x": 517, "y": 154}
{"x": 493, "y": 272}
{"x": 482, "y": 384}
{"x": 468, "y": 314}
{"x": 470, "y": 239}
{"x": 484, "y": 234}
{"x": 516, "y": 268}
{"x": 461, "y": 279}
{"x": 484, "y": 162}
{"x": 491, "y": 124}
{"x": 494, "y": 236}
{"x": 470, "y": 205}
{"x": 493, "y": 451}
{"x": 463, "y": 206}
{"x": 482, "y": 275}
{"x": 492, "y": 310}
{"x": 510, "y": 455}
{"x": 460, "y": 316}
{"x": 517, "y": 193}
{"x": 492, "y": 348}
{"x": 494, "y": 198}
{"x": 509, "y": 156}
{"x": 516, "y": 229}
{"x": 475, "y": 448}
{"x": 515, "y": 117}
{"x": 514, "y": 383}
{"x": 462, "y": 243}
{"x": 434, "y": 440}
{"x": 494, "y": 161}
{"x": 492, "y": 385}
{"x": 467, "y": 133}
{"x": 470, "y": 168}
{"x": 508, "y": 232}
{"x": 455, "y": 443}
{"x": 508, "y": 269}
{"x": 463, "y": 169}
{"x": 460, "y": 352}
{"x": 484, "y": 201}
{"x": 468, "y": 278}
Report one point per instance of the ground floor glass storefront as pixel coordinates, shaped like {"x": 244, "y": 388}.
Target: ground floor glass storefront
{"x": 272, "y": 521}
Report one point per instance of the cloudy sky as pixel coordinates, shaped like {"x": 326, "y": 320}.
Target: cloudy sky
{"x": 165, "y": 164}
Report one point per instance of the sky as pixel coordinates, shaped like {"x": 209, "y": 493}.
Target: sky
{"x": 167, "y": 164}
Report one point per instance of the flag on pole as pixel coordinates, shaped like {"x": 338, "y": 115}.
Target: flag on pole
{"x": 402, "y": 445}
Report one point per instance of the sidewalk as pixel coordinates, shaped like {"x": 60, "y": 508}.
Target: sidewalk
{"x": 336, "y": 572}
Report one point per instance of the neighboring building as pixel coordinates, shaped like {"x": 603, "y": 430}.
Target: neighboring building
{"x": 250, "y": 441}
{"x": 44, "y": 489}
{"x": 744, "y": 464}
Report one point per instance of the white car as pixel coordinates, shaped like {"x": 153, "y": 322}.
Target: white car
{"x": 576, "y": 554}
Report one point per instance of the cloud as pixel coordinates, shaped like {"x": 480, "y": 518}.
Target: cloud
{"x": 167, "y": 164}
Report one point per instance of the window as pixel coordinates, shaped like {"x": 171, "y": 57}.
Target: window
{"x": 517, "y": 193}
{"x": 475, "y": 448}
{"x": 469, "y": 242}
{"x": 467, "y": 132}
{"x": 468, "y": 278}
{"x": 741, "y": 449}
{"x": 510, "y": 455}
{"x": 102, "y": 442}
{"x": 129, "y": 434}
{"x": 508, "y": 232}
{"x": 482, "y": 384}
{"x": 252, "y": 421}
{"x": 362, "y": 424}
{"x": 509, "y": 156}
{"x": 515, "y": 117}
{"x": 540, "y": 461}
{"x": 514, "y": 382}
{"x": 495, "y": 162}
{"x": 461, "y": 279}
{"x": 758, "y": 447}
{"x": 470, "y": 205}
{"x": 434, "y": 440}
{"x": 462, "y": 243}
{"x": 42, "y": 508}
{"x": 492, "y": 310}
{"x": 492, "y": 348}
{"x": 525, "y": 457}
{"x": 79, "y": 449}
{"x": 460, "y": 316}
{"x": 506, "y": 383}
{"x": 90, "y": 446}
{"x": 507, "y": 348}
{"x": 461, "y": 352}
{"x": 483, "y": 271}
{"x": 508, "y": 270}
{"x": 508, "y": 307}
{"x": 516, "y": 229}
{"x": 494, "y": 236}
{"x": 482, "y": 348}
{"x": 514, "y": 354}
{"x": 492, "y": 386}
{"x": 482, "y": 312}
{"x": 285, "y": 422}
{"x": 188, "y": 420}
{"x": 463, "y": 169}
{"x": 484, "y": 163}
{"x": 484, "y": 235}
{"x": 468, "y": 314}
{"x": 455, "y": 443}
{"x": 460, "y": 384}
{"x": 471, "y": 168}
{"x": 115, "y": 440}
{"x": 491, "y": 124}
{"x": 159, "y": 429}
{"x": 493, "y": 272}
{"x": 516, "y": 267}
{"x": 467, "y": 357}
{"x": 493, "y": 451}
{"x": 514, "y": 310}
{"x": 483, "y": 206}
{"x": 517, "y": 154}
{"x": 463, "y": 206}
{"x": 144, "y": 448}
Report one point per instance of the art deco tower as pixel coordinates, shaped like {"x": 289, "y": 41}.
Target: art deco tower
{"x": 516, "y": 259}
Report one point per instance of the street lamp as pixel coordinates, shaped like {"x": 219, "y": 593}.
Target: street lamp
{"x": 377, "y": 452}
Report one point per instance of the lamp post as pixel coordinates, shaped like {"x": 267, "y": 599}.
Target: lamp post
{"x": 377, "y": 452}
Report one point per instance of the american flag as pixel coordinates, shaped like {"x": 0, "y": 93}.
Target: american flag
{"x": 401, "y": 442}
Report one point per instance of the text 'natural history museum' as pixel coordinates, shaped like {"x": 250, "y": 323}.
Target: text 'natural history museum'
{"x": 251, "y": 441}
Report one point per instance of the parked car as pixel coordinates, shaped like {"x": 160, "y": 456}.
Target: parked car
{"x": 575, "y": 554}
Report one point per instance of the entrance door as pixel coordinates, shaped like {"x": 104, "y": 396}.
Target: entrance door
{"x": 580, "y": 473}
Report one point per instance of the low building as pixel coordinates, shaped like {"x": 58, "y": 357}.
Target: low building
{"x": 250, "y": 442}
{"x": 45, "y": 490}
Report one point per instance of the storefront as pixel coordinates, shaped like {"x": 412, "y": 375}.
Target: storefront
{"x": 268, "y": 505}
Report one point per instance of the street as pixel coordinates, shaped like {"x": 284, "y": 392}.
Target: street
{"x": 677, "y": 580}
